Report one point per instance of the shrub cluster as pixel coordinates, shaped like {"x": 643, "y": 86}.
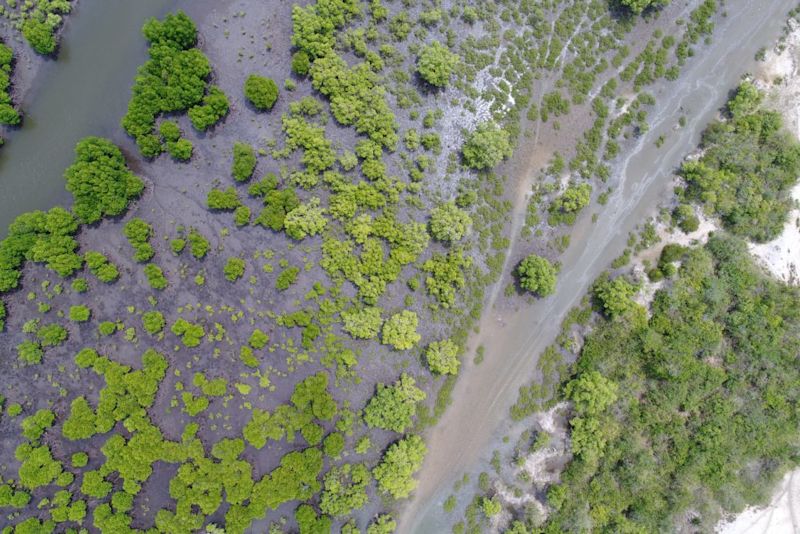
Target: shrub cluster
{"x": 172, "y": 80}
{"x": 8, "y": 115}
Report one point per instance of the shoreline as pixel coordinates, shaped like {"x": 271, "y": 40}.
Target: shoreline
{"x": 27, "y": 82}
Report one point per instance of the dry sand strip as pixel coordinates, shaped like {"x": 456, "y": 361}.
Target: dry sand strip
{"x": 780, "y": 516}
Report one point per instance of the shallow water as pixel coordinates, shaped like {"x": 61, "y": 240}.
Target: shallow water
{"x": 84, "y": 92}
{"x": 478, "y": 418}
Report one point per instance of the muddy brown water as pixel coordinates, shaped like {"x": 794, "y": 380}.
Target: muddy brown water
{"x": 476, "y": 422}
{"x": 83, "y": 92}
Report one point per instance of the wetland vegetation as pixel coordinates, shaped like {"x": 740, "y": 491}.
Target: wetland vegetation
{"x": 255, "y": 332}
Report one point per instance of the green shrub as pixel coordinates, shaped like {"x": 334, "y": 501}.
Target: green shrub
{"x": 244, "y": 161}
{"x": 51, "y": 335}
{"x": 172, "y": 80}
{"x": 486, "y": 147}
{"x": 191, "y": 334}
{"x": 79, "y": 313}
{"x": 80, "y": 459}
{"x": 362, "y": 323}
{"x": 449, "y": 223}
{"x": 177, "y": 245}
{"x": 442, "y": 357}
{"x": 435, "y": 64}
{"x": 218, "y": 199}
{"x": 98, "y": 264}
{"x": 79, "y": 285}
{"x": 170, "y": 131}
{"x": 344, "y": 488}
{"x": 615, "y": 296}
{"x": 258, "y": 339}
{"x": 537, "y": 275}
{"x": 241, "y": 216}
{"x": 392, "y": 407}
{"x": 99, "y": 180}
{"x": 400, "y": 330}
{"x": 686, "y": 219}
{"x": 138, "y": 233}
{"x": 402, "y": 459}
{"x": 30, "y": 352}
{"x": 333, "y": 445}
{"x": 234, "y": 269}
{"x": 14, "y": 409}
{"x": 300, "y": 63}
{"x": 153, "y": 322}
{"x": 286, "y": 278}
{"x": 39, "y": 35}
{"x": 180, "y": 150}
{"x": 215, "y": 107}
{"x": 305, "y": 220}
{"x": 106, "y": 328}
{"x": 748, "y": 167}
{"x": 198, "y": 245}
{"x": 155, "y": 276}
{"x": 261, "y": 92}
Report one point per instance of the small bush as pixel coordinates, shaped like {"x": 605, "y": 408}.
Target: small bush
{"x": 79, "y": 313}
{"x": 261, "y": 92}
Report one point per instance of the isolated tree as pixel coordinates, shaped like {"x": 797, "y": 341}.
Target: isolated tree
{"x": 442, "y": 357}
{"x": 449, "y": 222}
{"x": 244, "y": 161}
{"x": 234, "y": 269}
{"x": 153, "y": 322}
{"x": 486, "y": 147}
{"x": 261, "y": 92}
{"x": 400, "y": 330}
{"x": 436, "y": 63}
{"x": 392, "y": 407}
{"x": 537, "y": 275}
{"x": 394, "y": 473}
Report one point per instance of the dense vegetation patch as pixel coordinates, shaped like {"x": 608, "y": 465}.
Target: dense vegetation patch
{"x": 8, "y": 115}
{"x": 748, "y": 166}
{"x": 697, "y": 399}
{"x": 171, "y": 81}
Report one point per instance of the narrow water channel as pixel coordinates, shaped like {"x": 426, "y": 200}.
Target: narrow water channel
{"x": 477, "y": 420}
{"x": 84, "y": 92}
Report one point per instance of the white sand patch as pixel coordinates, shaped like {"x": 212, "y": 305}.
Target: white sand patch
{"x": 536, "y": 466}
{"x": 781, "y": 515}
{"x": 699, "y": 236}
{"x": 508, "y": 497}
{"x": 548, "y": 421}
{"x": 648, "y": 290}
{"x": 781, "y": 257}
{"x": 539, "y": 465}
